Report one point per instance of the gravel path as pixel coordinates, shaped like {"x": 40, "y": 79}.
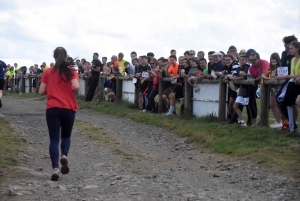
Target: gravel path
{"x": 130, "y": 162}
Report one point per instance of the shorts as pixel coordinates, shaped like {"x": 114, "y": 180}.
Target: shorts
{"x": 178, "y": 91}
{"x": 106, "y": 83}
{"x": 231, "y": 93}
{"x": 169, "y": 90}
{"x": 143, "y": 87}
{"x": 242, "y": 100}
{"x": 274, "y": 90}
{"x": 2, "y": 84}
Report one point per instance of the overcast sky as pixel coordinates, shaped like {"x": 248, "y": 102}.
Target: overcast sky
{"x": 31, "y": 29}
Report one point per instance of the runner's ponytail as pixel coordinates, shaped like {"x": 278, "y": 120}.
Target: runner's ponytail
{"x": 60, "y": 56}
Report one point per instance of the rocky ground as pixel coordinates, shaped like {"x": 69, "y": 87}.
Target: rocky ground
{"x": 130, "y": 161}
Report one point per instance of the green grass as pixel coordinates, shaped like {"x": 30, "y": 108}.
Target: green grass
{"x": 263, "y": 145}
{"x": 24, "y": 95}
{"x": 10, "y": 147}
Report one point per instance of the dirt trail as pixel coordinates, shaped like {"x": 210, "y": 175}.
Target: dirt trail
{"x": 129, "y": 161}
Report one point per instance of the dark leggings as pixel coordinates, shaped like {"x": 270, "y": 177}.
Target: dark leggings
{"x": 59, "y": 120}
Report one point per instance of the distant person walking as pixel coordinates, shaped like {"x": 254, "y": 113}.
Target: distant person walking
{"x": 59, "y": 84}
{"x": 2, "y": 74}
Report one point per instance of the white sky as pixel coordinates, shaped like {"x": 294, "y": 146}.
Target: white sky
{"x": 31, "y": 29}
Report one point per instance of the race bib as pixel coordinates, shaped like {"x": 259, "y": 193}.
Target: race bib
{"x": 246, "y": 101}
{"x": 282, "y": 71}
{"x": 120, "y": 69}
{"x": 145, "y": 74}
{"x": 134, "y": 80}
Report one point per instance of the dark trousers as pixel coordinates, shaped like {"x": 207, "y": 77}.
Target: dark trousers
{"x": 151, "y": 98}
{"x": 59, "y": 121}
{"x": 252, "y": 100}
{"x": 93, "y": 81}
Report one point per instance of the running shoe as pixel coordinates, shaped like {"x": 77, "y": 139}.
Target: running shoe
{"x": 242, "y": 123}
{"x": 64, "y": 165}
{"x": 284, "y": 127}
{"x": 55, "y": 175}
{"x": 276, "y": 125}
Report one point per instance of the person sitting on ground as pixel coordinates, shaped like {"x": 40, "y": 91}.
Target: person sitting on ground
{"x": 176, "y": 89}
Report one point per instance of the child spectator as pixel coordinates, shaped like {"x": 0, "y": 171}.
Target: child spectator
{"x": 274, "y": 64}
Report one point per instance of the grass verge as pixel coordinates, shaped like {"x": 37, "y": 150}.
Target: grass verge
{"x": 10, "y": 146}
{"x": 273, "y": 148}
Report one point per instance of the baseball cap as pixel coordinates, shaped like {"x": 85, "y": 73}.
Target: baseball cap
{"x": 217, "y": 54}
{"x": 8, "y": 65}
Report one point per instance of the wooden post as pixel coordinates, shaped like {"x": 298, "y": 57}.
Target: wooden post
{"x": 30, "y": 84}
{"x": 23, "y": 85}
{"x": 222, "y": 100}
{"x": 86, "y": 81}
{"x": 187, "y": 98}
{"x": 101, "y": 88}
{"x": 119, "y": 89}
{"x": 37, "y": 83}
{"x": 161, "y": 88}
{"x": 264, "y": 105}
{"x": 136, "y": 97}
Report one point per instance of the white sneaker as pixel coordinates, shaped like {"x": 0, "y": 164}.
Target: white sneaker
{"x": 276, "y": 125}
{"x": 64, "y": 165}
{"x": 242, "y": 124}
{"x": 55, "y": 175}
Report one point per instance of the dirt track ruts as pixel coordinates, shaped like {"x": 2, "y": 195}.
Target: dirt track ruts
{"x": 142, "y": 163}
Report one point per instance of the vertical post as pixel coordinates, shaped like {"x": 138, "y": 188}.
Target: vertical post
{"x": 30, "y": 84}
{"x": 264, "y": 105}
{"x": 119, "y": 88}
{"x": 23, "y": 85}
{"x": 161, "y": 88}
{"x": 187, "y": 98}
{"x": 222, "y": 100}
{"x": 37, "y": 83}
{"x": 101, "y": 88}
{"x": 136, "y": 97}
{"x": 86, "y": 82}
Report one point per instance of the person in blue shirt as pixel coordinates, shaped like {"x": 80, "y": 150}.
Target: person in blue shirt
{"x": 2, "y": 73}
{"x": 218, "y": 64}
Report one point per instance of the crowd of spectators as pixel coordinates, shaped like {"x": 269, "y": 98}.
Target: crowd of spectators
{"x": 233, "y": 64}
